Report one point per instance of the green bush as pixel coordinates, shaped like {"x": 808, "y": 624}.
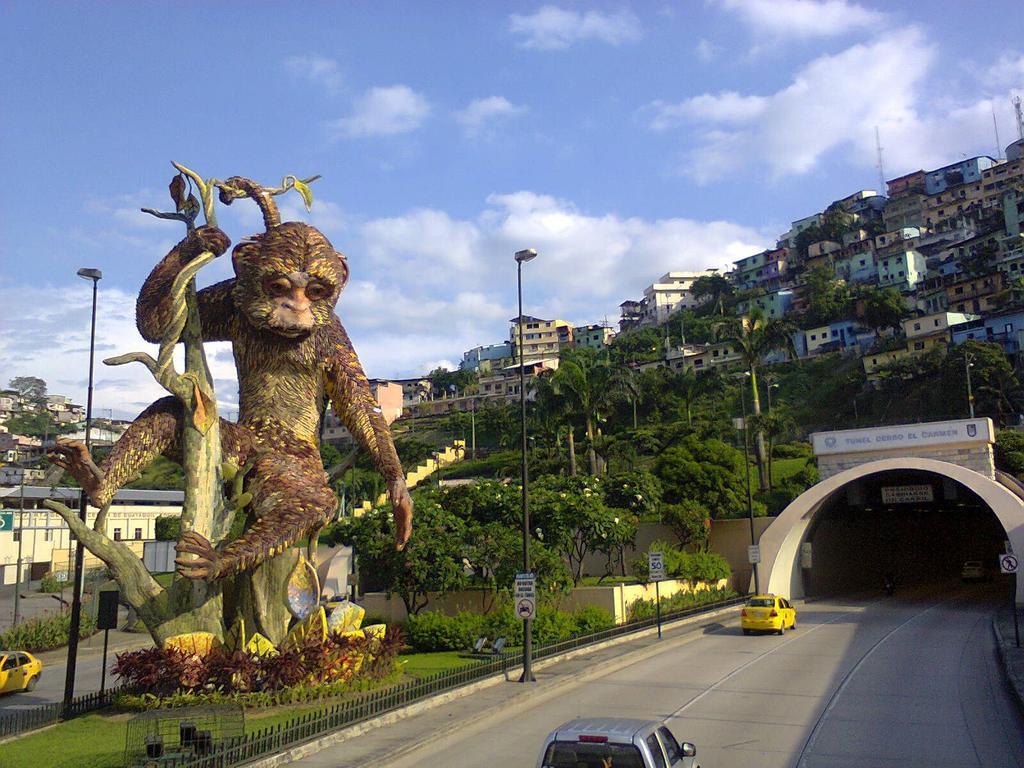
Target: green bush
{"x": 792, "y": 450}
{"x": 590, "y": 619}
{"x": 646, "y": 609}
{"x": 703, "y": 566}
{"x": 51, "y": 583}
{"x": 436, "y": 631}
{"x": 552, "y": 626}
{"x": 45, "y": 632}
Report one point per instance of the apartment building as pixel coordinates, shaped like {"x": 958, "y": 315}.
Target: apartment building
{"x": 976, "y": 295}
{"x": 765, "y": 270}
{"x": 542, "y": 339}
{"x": 390, "y": 397}
{"x": 486, "y": 357}
{"x": 902, "y": 270}
{"x": 592, "y": 336}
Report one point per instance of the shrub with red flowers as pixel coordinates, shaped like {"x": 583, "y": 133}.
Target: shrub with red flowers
{"x": 167, "y": 672}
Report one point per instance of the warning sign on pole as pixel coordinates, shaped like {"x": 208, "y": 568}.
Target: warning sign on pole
{"x": 753, "y": 554}
{"x": 525, "y": 596}
{"x": 1008, "y": 563}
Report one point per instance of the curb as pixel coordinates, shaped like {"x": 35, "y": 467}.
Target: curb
{"x": 527, "y": 697}
{"x": 1005, "y": 647}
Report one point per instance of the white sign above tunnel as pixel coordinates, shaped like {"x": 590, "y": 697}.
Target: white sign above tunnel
{"x": 903, "y": 436}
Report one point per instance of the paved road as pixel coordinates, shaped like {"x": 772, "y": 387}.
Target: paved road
{"x": 905, "y": 681}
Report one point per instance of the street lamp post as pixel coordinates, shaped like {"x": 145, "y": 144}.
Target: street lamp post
{"x": 523, "y": 256}
{"x": 76, "y": 597}
{"x": 746, "y": 464}
{"x": 968, "y": 364}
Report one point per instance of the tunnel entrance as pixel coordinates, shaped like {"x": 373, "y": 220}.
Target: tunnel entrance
{"x": 917, "y": 525}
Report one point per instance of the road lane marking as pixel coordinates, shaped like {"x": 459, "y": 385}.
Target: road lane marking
{"x": 809, "y": 744}
{"x": 773, "y": 649}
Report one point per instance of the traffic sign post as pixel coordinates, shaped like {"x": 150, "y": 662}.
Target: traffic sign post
{"x": 1008, "y": 563}
{"x": 656, "y": 572}
{"x": 525, "y": 596}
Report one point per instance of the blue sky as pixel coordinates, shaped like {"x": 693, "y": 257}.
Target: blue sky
{"x": 620, "y": 140}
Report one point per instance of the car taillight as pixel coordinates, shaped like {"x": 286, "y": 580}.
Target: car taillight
{"x": 594, "y": 739}
{"x": 774, "y": 613}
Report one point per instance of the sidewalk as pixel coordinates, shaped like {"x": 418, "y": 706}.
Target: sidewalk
{"x": 1011, "y": 656}
{"x": 373, "y": 742}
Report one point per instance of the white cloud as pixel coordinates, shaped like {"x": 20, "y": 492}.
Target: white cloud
{"x": 320, "y": 70}
{"x": 726, "y": 107}
{"x": 803, "y": 18}
{"x": 834, "y": 102}
{"x": 554, "y": 28}
{"x": 1007, "y": 72}
{"x": 481, "y": 113}
{"x": 706, "y": 50}
{"x": 385, "y": 111}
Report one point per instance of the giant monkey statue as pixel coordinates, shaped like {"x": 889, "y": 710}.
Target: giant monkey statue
{"x": 292, "y": 354}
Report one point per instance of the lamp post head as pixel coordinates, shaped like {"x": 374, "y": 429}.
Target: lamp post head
{"x": 87, "y": 273}
{"x": 528, "y": 254}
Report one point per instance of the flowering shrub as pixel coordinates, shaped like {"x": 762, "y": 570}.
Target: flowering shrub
{"x": 164, "y": 672}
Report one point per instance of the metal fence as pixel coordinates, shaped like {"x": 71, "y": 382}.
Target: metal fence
{"x": 23, "y": 720}
{"x": 271, "y": 740}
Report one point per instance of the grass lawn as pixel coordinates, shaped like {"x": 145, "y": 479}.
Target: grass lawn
{"x": 783, "y": 468}
{"x": 98, "y": 741}
{"x": 425, "y": 664}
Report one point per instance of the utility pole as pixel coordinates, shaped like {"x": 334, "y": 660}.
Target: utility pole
{"x": 746, "y": 464}
{"x": 968, "y": 364}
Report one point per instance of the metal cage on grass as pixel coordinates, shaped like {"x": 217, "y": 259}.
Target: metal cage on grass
{"x": 171, "y": 736}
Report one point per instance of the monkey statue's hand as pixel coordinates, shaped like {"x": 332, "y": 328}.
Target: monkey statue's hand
{"x": 401, "y": 505}
{"x": 204, "y": 566}
{"x": 207, "y": 239}
{"x": 74, "y": 458}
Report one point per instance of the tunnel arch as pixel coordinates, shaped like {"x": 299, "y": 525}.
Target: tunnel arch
{"x": 780, "y": 542}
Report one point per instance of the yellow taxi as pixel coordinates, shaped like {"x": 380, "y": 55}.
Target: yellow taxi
{"x": 19, "y": 671}
{"x": 767, "y": 613}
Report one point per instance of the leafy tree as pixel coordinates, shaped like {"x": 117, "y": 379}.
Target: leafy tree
{"x": 571, "y": 517}
{"x": 1009, "y": 451}
{"x": 641, "y": 345}
{"x": 692, "y": 385}
{"x": 995, "y": 387}
{"x": 689, "y": 520}
{"x": 432, "y": 561}
{"x": 638, "y": 492}
{"x": 625, "y": 385}
{"x": 714, "y": 289}
{"x": 167, "y": 528}
{"x": 498, "y": 424}
{"x": 690, "y": 327}
{"x": 755, "y": 337}
{"x": 444, "y": 382}
{"x": 828, "y": 299}
{"x": 29, "y": 387}
{"x": 709, "y": 471}
{"x": 882, "y": 308}
{"x": 32, "y": 423}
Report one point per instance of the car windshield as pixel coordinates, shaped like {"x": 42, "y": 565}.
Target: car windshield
{"x": 972, "y": 564}
{"x": 572, "y": 754}
{"x": 762, "y": 602}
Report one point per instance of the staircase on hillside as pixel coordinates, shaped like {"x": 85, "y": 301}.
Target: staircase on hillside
{"x": 453, "y": 453}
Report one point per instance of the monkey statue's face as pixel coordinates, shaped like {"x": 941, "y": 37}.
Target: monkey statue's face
{"x": 288, "y": 279}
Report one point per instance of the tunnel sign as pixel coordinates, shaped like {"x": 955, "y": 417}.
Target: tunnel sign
{"x": 526, "y": 596}
{"x": 1008, "y": 563}
{"x": 907, "y": 494}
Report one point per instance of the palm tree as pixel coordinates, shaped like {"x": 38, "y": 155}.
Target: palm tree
{"x": 692, "y": 385}
{"x": 582, "y": 378}
{"x": 626, "y": 386}
{"x": 755, "y": 337}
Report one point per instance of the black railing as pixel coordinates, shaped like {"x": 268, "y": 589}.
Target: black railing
{"x": 271, "y": 740}
{"x": 22, "y": 720}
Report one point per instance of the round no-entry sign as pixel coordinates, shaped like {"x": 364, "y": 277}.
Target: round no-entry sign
{"x": 1008, "y": 563}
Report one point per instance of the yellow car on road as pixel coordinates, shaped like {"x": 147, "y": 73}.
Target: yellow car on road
{"x": 19, "y": 671}
{"x": 767, "y": 613}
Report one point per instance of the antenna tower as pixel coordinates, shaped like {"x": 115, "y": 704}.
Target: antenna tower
{"x": 995, "y": 127}
{"x": 881, "y": 170}
{"x": 1020, "y": 117}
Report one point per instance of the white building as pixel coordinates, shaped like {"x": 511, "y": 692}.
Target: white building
{"x": 671, "y": 293}
{"x": 46, "y": 544}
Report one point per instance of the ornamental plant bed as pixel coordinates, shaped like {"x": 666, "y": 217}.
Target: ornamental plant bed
{"x": 324, "y": 668}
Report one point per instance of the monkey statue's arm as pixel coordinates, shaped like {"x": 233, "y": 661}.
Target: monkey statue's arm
{"x": 354, "y": 404}
{"x": 153, "y": 310}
